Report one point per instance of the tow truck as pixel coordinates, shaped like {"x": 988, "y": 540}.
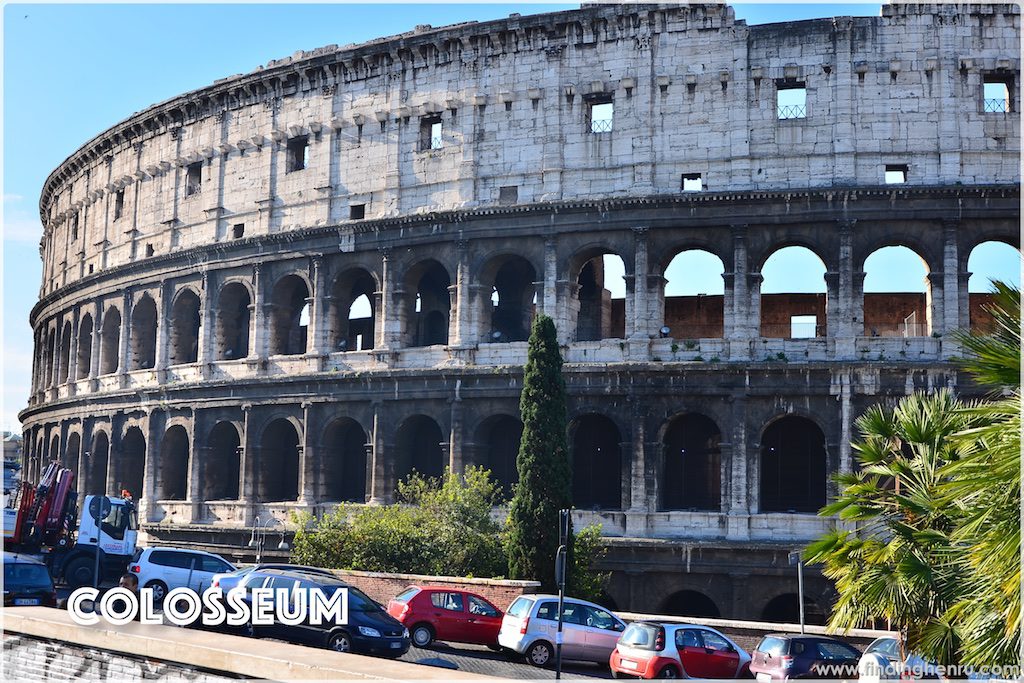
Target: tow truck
{"x": 43, "y": 521}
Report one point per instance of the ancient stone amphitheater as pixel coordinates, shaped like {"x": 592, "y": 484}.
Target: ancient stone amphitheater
{"x": 297, "y": 285}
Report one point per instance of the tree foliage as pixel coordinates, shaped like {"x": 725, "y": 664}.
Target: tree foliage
{"x": 544, "y": 485}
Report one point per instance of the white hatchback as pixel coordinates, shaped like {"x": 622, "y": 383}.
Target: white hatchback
{"x": 164, "y": 569}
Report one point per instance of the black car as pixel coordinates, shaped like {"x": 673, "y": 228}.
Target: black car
{"x": 27, "y": 582}
{"x": 229, "y": 580}
{"x": 370, "y": 629}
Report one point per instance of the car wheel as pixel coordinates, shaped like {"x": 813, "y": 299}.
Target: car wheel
{"x": 539, "y": 654}
{"x": 78, "y": 573}
{"x": 159, "y": 589}
{"x": 669, "y": 671}
{"x": 422, "y": 635}
{"x": 340, "y": 642}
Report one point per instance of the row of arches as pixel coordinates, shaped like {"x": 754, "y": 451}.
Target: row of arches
{"x": 793, "y": 462}
{"x": 783, "y": 608}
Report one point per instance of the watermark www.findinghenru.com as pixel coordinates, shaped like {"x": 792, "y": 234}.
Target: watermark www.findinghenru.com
{"x": 871, "y": 670}
{"x": 212, "y": 607}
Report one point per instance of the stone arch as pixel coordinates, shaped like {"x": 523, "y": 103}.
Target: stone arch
{"x": 427, "y": 304}
{"x": 143, "y": 333}
{"x": 348, "y": 333}
{"x": 185, "y": 322}
{"x": 593, "y": 313}
{"x": 174, "y": 464}
{"x": 54, "y": 452}
{"x": 344, "y": 461}
{"x": 785, "y": 609}
{"x": 73, "y": 454}
{"x": 96, "y": 465}
{"x": 693, "y": 311}
{"x": 233, "y": 322}
{"x": 497, "y": 448}
{"x": 278, "y": 474}
{"x": 691, "y": 471}
{"x": 793, "y": 466}
{"x": 994, "y": 259}
{"x": 131, "y": 464}
{"x": 289, "y": 322}
{"x": 418, "y": 443}
{"x": 110, "y": 341}
{"x": 596, "y": 460}
{"x": 689, "y": 603}
{"x": 221, "y": 472}
{"x": 84, "y": 358}
{"x": 51, "y": 354}
{"x": 64, "y": 364}
{"x": 793, "y": 310}
{"x": 509, "y": 283}
{"x": 903, "y": 312}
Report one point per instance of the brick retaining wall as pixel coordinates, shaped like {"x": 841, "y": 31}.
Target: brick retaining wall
{"x": 383, "y": 586}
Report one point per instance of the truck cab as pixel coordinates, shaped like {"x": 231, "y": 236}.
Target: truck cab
{"x": 114, "y": 539}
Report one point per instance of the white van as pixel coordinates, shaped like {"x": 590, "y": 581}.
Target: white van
{"x": 164, "y": 569}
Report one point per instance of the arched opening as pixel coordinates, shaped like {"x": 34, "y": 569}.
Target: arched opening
{"x": 96, "y": 464}
{"x": 174, "y": 464}
{"x": 785, "y": 609}
{"x": 989, "y": 262}
{"x": 344, "y": 458}
{"x": 131, "y": 466}
{"x": 64, "y": 366}
{"x": 793, "y": 295}
{"x": 54, "y": 452}
{"x": 694, "y": 296}
{"x": 221, "y": 473}
{"x": 497, "y": 441}
{"x": 352, "y": 314}
{"x": 601, "y": 298}
{"x": 693, "y": 476}
{"x": 596, "y": 463}
{"x": 143, "y": 334}
{"x": 72, "y": 455}
{"x": 509, "y": 311}
{"x": 110, "y": 341}
{"x": 278, "y": 475}
{"x": 84, "y": 360}
{"x": 690, "y": 604}
{"x": 793, "y": 465}
{"x": 185, "y": 329}
{"x": 51, "y": 354}
{"x": 896, "y": 294}
{"x": 428, "y": 305}
{"x": 289, "y": 320}
{"x": 233, "y": 316}
{"x": 418, "y": 443}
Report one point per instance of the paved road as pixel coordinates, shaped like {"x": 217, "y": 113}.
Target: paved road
{"x": 481, "y": 660}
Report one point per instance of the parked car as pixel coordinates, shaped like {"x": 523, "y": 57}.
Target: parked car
{"x": 881, "y": 661}
{"x": 370, "y": 630}
{"x": 436, "y": 613}
{"x": 654, "y": 650}
{"x": 164, "y": 569}
{"x": 589, "y": 631}
{"x": 782, "y": 656}
{"x": 27, "y": 582}
{"x": 228, "y": 580}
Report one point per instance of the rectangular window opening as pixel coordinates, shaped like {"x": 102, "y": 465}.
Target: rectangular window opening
{"x": 895, "y": 174}
{"x": 600, "y": 113}
{"x": 237, "y": 231}
{"x": 803, "y": 326}
{"x": 791, "y": 100}
{"x": 507, "y": 195}
{"x": 298, "y": 153}
{"x": 357, "y": 212}
{"x": 118, "y": 204}
{"x": 997, "y": 92}
{"x": 430, "y": 133}
{"x": 692, "y": 182}
{"x": 74, "y": 227}
{"x": 149, "y": 250}
{"x": 193, "y": 178}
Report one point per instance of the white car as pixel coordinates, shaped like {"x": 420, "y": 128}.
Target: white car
{"x": 881, "y": 661}
{"x": 164, "y": 569}
{"x": 530, "y": 625}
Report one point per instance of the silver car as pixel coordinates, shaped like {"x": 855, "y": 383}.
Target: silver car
{"x": 530, "y": 626}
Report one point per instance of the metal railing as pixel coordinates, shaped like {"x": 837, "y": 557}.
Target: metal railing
{"x": 427, "y": 144}
{"x": 601, "y": 126}
{"x": 792, "y": 111}
{"x": 997, "y": 106}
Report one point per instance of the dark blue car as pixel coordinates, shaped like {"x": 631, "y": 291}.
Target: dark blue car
{"x": 370, "y": 629}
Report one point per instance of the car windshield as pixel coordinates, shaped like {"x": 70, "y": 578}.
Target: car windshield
{"x": 834, "y": 650}
{"x": 639, "y": 635}
{"x": 406, "y": 594}
{"x": 24, "y": 576}
{"x": 520, "y": 608}
{"x": 358, "y": 601}
{"x": 772, "y": 646}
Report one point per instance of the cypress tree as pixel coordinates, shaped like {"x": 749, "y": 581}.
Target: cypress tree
{"x": 543, "y": 462}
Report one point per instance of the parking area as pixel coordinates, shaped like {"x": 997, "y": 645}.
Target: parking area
{"x": 481, "y": 660}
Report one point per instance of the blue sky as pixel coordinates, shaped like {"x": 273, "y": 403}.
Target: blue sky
{"x": 71, "y": 71}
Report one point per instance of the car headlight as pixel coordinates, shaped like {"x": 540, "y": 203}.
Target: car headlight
{"x": 369, "y": 632}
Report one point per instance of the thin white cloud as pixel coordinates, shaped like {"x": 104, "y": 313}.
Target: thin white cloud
{"x": 20, "y": 227}
{"x": 12, "y": 198}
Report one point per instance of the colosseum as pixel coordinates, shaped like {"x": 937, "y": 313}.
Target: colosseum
{"x": 295, "y": 286}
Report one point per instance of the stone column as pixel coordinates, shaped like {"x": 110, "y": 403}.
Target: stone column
{"x": 462, "y": 334}
{"x": 163, "y": 325}
{"x": 738, "y": 298}
{"x": 455, "y": 455}
{"x": 741, "y": 502}
{"x": 317, "y": 344}
{"x": 205, "y": 354}
{"x": 124, "y": 362}
{"x": 308, "y": 458}
{"x": 389, "y": 328}
{"x": 258, "y": 318}
{"x": 151, "y": 474}
{"x": 753, "y": 322}
{"x": 549, "y": 299}
{"x": 568, "y": 310}
{"x": 378, "y": 468}
{"x": 637, "y": 505}
{"x": 936, "y": 302}
{"x": 199, "y": 457}
{"x": 247, "y": 463}
{"x": 94, "y": 356}
{"x": 953, "y": 303}
{"x": 639, "y": 318}
{"x": 72, "y": 368}
{"x": 845, "y": 311}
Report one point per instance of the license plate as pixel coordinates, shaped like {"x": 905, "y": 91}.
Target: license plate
{"x": 395, "y": 646}
{"x": 628, "y": 664}
{"x": 764, "y": 678}
{"x": 26, "y": 601}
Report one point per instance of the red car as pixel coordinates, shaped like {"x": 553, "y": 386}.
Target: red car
{"x": 435, "y": 613}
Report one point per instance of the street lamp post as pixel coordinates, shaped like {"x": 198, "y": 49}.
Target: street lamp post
{"x": 258, "y": 539}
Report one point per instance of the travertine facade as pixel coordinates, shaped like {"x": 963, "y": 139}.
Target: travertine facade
{"x": 196, "y": 337}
